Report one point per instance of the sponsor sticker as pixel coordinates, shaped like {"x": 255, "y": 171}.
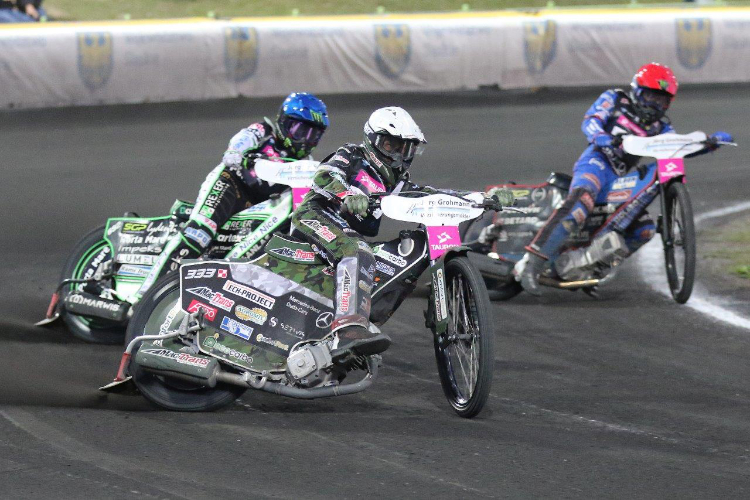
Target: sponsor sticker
{"x": 301, "y": 307}
{"x": 393, "y": 259}
{"x": 195, "y": 306}
{"x": 441, "y": 238}
{"x": 134, "y": 227}
{"x": 268, "y": 340}
{"x": 114, "y": 227}
{"x": 324, "y": 320}
{"x": 131, "y": 270}
{"x": 256, "y": 314}
{"x": 180, "y": 357}
{"x": 164, "y": 327}
{"x": 579, "y": 215}
{"x": 214, "y": 298}
{"x": 369, "y": 183}
{"x": 199, "y": 236}
{"x": 216, "y": 346}
{"x": 221, "y": 273}
{"x": 250, "y": 294}
{"x": 320, "y": 229}
{"x": 223, "y": 302}
{"x": 236, "y": 328}
{"x": 205, "y": 220}
{"x": 137, "y": 259}
{"x": 297, "y": 254}
{"x": 346, "y": 292}
{"x": 95, "y": 303}
{"x": 619, "y": 196}
{"x": 624, "y": 183}
{"x": 385, "y": 268}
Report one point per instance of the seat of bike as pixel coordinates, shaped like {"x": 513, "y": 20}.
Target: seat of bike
{"x": 290, "y": 249}
{"x": 560, "y": 180}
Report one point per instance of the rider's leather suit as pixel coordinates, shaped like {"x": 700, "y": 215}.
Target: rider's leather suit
{"x": 230, "y": 188}
{"x": 340, "y": 237}
{"x": 612, "y": 113}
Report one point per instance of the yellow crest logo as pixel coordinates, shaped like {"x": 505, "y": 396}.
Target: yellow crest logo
{"x": 540, "y": 43}
{"x": 95, "y": 58}
{"x": 693, "y": 42}
{"x": 393, "y": 48}
{"x": 240, "y": 52}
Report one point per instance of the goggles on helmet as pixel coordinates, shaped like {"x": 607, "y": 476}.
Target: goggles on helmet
{"x": 655, "y": 99}
{"x": 397, "y": 148}
{"x": 299, "y": 131}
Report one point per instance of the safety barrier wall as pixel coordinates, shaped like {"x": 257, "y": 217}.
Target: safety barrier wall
{"x": 108, "y": 63}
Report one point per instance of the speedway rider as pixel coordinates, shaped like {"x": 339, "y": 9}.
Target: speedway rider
{"x": 336, "y": 214}
{"x": 616, "y": 112}
{"x": 233, "y": 185}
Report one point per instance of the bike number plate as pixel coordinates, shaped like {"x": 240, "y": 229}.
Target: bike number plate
{"x": 442, "y": 238}
{"x": 670, "y": 168}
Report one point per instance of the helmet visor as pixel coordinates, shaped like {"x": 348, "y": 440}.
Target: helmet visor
{"x": 656, "y": 99}
{"x": 397, "y": 148}
{"x": 299, "y": 131}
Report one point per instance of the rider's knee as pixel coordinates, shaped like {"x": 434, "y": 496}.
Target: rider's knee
{"x": 640, "y": 233}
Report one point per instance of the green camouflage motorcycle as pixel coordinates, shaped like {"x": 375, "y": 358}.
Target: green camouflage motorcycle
{"x": 199, "y": 340}
{"x": 109, "y": 265}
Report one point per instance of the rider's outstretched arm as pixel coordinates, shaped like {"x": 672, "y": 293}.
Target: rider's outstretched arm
{"x": 243, "y": 142}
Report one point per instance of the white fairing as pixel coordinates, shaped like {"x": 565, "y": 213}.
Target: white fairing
{"x": 295, "y": 174}
{"x": 432, "y": 210}
{"x": 396, "y": 122}
{"x": 665, "y": 145}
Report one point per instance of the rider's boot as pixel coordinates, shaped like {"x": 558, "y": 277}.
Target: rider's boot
{"x": 359, "y": 341}
{"x": 528, "y": 270}
{"x": 354, "y": 278}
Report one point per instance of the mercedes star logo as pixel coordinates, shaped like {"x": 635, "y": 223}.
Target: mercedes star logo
{"x": 324, "y": 320}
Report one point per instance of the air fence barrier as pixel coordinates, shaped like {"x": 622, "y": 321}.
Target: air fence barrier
{"x": 67, "y": 64}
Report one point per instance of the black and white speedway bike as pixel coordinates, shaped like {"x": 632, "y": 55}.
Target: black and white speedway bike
{"x": 592, "y": 254}
{"x": 108, "y": 266}
{"x": 199, "y": 340}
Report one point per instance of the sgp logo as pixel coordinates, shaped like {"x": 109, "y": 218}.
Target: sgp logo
{"x": 443, "y": 237}
{"x": 206, "y": 272}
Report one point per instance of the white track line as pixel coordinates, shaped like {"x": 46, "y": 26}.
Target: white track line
{"x": 650, "y": 261}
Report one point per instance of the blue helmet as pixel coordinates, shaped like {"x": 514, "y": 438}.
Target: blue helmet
{"x": 301, "y": 122}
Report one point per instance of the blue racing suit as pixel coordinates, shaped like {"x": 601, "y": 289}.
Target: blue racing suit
{"x": 612, "y": 115}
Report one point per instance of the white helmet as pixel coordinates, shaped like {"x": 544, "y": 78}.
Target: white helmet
{"x": 392, "y": 138}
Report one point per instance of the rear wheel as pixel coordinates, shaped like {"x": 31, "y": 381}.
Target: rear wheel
{"x": 679, "y": 258}
{"x": 465, "y": 353}
{"x": 90, "y": 252}
{"x": 504, "y": 291}
{"x": 158, "y": 312}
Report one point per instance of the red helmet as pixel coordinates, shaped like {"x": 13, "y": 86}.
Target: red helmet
{"x": 653, "y": 88}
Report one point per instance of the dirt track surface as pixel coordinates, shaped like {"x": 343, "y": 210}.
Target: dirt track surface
{"x": 627, "y": 396}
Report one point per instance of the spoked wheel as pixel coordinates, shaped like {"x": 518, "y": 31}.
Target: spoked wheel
{"x": 157, "y": 312}
{"x": 680, "y": 256}
{"x": 86, "y": 257}
{"x": 465, "y": 353}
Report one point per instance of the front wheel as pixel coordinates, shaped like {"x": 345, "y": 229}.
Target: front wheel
{"x": 158, "y": 312}
{"x": 92, "y": 251}
{"x": 679, "y": 257}
{"x": 465, "y": 352}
